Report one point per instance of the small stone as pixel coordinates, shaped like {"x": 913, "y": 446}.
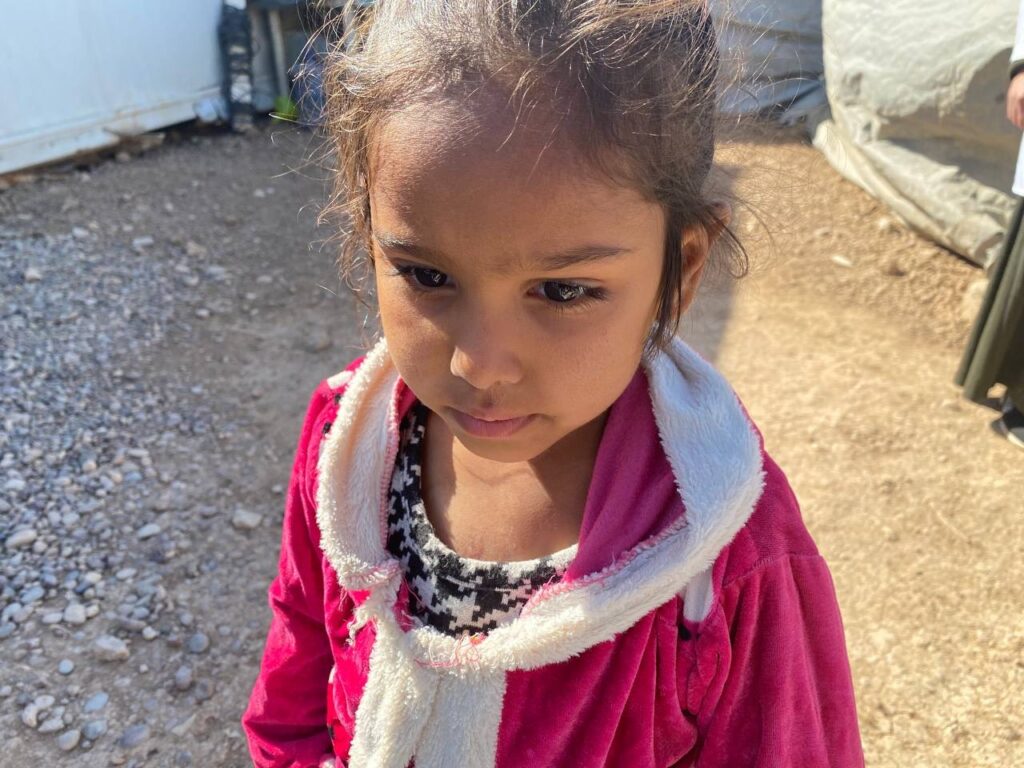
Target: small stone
{"x": 79, "y": 233}
{"x": 66, "y": 666}
{"x": 69, "y": 740}
{"x": 888, "y": 226}
{"x": 277, "y": 488}
{"x": 148, "y": 633}
{"x": 96, "y": 702}
{"x": 21, "y": 538}
{"x": 52, "y": 725}
{"x": 264, "y": 280}
{"x": 183, "y": 678}
{"x": 198, "y": 643}
{"x": 842, "y": 261}
{"x": 822, "y": 232}
{"x": 195, "y": 250}
{"x": 74, "y": 614}
{"x": 94, "y": 729}
{"x": 203, "y": 691}
{"x": 32, "y": 595}
{"x": 202, "y": 313}
{"x": 318, "y": 340}
{"x": 125, "y": 573}
{"x": 148, "y": 531}
{"x": 30, "y": 715}
{"x": 973, "y": 298}
{"x": 110, "y": 648}
{"x": 133, "y": 735}
{"x": 6, "y": 630}
{"x": 246, "y": 520}
{"x": 140, "y": 244}
{"x": 892, "y": 268}
{"x": 33, "y": 275}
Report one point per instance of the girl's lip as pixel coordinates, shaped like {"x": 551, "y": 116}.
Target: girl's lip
{"x": 490, "y": 427}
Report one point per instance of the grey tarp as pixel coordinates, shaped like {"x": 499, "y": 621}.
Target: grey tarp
{"x": 771, "y": 56}
{"x": 916, "y": 91}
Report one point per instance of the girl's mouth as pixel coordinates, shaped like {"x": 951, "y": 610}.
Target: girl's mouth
{"x": 489, "y": 426}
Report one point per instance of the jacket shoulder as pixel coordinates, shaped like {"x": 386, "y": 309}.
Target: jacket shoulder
{"x": 320, "y": 415}
{"x": 774, "y": 530}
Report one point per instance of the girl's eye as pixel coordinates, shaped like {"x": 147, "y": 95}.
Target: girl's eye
{"x": 563, "y": 293}
{"x": 426, "y": 277}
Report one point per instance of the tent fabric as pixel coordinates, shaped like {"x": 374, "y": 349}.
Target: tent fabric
{"x": 771, "y": 57}
{"x": 917, "y": 98}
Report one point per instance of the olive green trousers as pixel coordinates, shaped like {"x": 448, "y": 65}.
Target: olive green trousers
{"x": 995, "y": 350}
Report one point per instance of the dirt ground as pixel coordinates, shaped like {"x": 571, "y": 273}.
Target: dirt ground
{"x": 842, "y": 341}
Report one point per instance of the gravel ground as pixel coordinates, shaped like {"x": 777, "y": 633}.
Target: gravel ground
{"x": 163, "y": 320}
{"x": 137, "y": 473}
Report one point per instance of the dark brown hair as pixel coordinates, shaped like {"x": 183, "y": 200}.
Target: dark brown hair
{"x": 632, "y": 83}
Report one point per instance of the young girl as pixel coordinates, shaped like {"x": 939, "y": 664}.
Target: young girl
{"x": 531, "y": 527}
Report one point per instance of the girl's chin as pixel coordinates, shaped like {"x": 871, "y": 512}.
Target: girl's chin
{"x": 509, "y": 450}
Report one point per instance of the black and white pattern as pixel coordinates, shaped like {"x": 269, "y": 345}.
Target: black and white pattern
{"x": 451, "y": 593}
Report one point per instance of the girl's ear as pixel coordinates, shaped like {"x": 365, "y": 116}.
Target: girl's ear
{"x": 697, "y": 241}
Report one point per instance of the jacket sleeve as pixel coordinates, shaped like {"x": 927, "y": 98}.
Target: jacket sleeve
{"x": 787, "y": 698}
{"x": 285, "y": 722}
{"x": 1017, "y": 54}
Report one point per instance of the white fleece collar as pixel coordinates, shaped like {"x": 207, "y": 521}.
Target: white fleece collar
{"x": 707, "y": 439}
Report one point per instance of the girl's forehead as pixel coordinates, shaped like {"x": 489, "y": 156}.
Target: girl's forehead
{"x": 442, "y": 166}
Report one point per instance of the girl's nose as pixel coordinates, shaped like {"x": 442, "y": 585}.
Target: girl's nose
{"x": 484, "y": 354}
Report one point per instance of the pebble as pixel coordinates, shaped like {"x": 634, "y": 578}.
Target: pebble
{"x": 96, "y": 702}
{"x": 52, "y": 725}
{"x": 68, "y": 740}
{"x": 842, "y": 261}
{"x": 32, "y": 595}
{"x": 148, "y": 531}
{"x": 195, "y": 250}
{"x": 21, "y": 538}
{"x": 133, "y": 735}
{"x": 142, "y": 243}
{"x": 246, "y": 520}
{"x": 6, "y": 630}
{"x": 318, "y": 340}
{"x": 30, "y": 714}
{"x": 66, "y": 666}
{"x": 94, "y": 729}
{"x": 183, "y": 678}
{"x": 198, "y": 643}
{"x": 110, "y": 648}
{"x": 148, "y": 633}
{"x": 33, "y": 275}
{"x": 74, "y": 613}
{"x": 888, "y": 226}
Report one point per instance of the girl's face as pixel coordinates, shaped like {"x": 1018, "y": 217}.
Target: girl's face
{"x": 516, "y": 292}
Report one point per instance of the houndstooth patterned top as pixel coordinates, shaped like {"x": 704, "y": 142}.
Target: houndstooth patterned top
{"x": 451, "y": 593}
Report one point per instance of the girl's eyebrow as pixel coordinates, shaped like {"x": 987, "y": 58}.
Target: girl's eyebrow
{"x": 549, "y": 262}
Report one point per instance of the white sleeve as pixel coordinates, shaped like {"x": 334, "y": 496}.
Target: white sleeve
{"x": 1018, "y": 47}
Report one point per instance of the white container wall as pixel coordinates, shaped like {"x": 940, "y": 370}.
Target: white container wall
{"x": 77, "y": 75}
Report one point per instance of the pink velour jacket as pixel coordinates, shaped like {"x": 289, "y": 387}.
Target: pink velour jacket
{"x": 697, "y": 625}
